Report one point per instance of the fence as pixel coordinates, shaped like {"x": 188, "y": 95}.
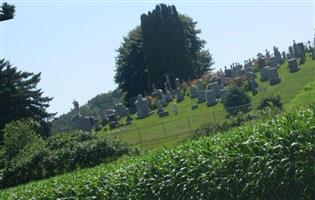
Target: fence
{"x": 166, "y": 130}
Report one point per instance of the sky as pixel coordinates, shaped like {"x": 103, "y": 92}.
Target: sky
{"x": 73, "y": 43}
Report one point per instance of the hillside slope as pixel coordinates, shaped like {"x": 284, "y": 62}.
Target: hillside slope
{"x": 154, "y": 131}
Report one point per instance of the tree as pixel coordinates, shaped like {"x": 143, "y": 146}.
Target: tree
{"x": 132, "y": 70}
{"x": 7, "y": 11}
{"x": 131, "y": 74}
{"x": 165, "y": 45}
{"x": 201, "y": 58}
{"x": 21, "y": 99}
{"x": 17, "y": 135}
{"x": 236, "y": 100}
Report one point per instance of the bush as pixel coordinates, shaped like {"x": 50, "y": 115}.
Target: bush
{"x": 271, "y": 102}
{"x": 236, "y": 100}
{"x": 17, "y": 135}
{"x": 30, "y": 158}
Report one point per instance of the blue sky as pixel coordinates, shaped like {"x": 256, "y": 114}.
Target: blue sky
{"x": 73, "y": 43}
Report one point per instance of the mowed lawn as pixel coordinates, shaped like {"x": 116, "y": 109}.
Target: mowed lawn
{"x": 154, "y": 131}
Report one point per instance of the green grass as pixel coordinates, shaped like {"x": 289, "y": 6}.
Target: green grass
{"x": 266, "y": 160}
{"x": 153, "y": 131}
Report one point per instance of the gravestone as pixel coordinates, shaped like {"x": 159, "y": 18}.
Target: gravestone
{"x": 164, "y": 100}
{"x": 215, "y": 87}
{"x": 273, "y": 62}
{"x": 112, "y": 118}
{"x": 201, "y": 96}
{"x": 193, "y": 91}
{"x": 274, "y": 77}
{"x": 179, "y": 95}
{"x": 264, "y": 76}
{"x": 142, "y": 106}
{"x": 293, "y": 66}
{"x": 211, "y": 97}
{"x": 161, "y": 112}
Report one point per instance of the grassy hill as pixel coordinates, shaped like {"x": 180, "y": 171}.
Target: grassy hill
{"x": 154, "y": 131}
{"x": 266, "y": 160}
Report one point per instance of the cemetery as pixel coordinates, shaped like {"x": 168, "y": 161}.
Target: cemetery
{"x": 179, "y": 123}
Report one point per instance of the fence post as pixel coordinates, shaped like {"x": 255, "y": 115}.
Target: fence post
{"x": 189, "y": 125}
{"x": 139, "y": 133}
{"x": 164, "y": 129}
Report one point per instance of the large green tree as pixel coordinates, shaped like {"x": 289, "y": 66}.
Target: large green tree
{"x": 165, "y": 45}
{"x": 6, "y": 11}
{"x": 20, "y": 98}
{"x": 132, "y": 70}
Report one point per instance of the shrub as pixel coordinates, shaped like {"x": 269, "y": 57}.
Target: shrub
{"x": 236, "y": 100}
{"x": 17, "y": 135}
{"x": 58, "y": 154}
{"x": 271, "y": 102}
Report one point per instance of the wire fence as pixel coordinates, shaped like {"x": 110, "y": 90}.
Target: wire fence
{"x": 165, "y": 130}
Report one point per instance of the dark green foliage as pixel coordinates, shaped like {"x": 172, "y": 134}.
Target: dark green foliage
{"x": 131, "y": 74}
{"x": 18, "y": 135}
{"x": 21, "y": 99}
{"x": 271, "y": 101}
{"x": 7, "y": 11}
{"x": 268, "y": 160}
{"x": 27, "y": 157}
{"x": 165, "y": 45}
{"x": 236, "y": 100}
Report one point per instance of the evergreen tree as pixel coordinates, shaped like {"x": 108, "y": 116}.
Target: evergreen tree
{"x": 132, "y": 70}
{"x": 19, "y": 98}
{"x": 6, "y": 11}
{"x": 236, "y": 100}
{"x": 165, "y": 45}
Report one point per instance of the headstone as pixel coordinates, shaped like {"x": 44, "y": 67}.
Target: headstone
{"x": 264, "y": 76}
{"x": 215, "y": 87}
{"x": 164, "y": 100}
{"x": 211, "y": 97}
{"x": 169, "y": 95}
{"x": 161, "y": 112}
{"x": 293, "y": 66}
{"x": 193, "y": 91}
{"x": 178, "y": 84}
{"x": 112, "y": 118}
{"x": 142, "y": 106}
{"x": 179, "y": 95}
{"x": 273, "y": 62}
{"x": 274, "y": 77}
